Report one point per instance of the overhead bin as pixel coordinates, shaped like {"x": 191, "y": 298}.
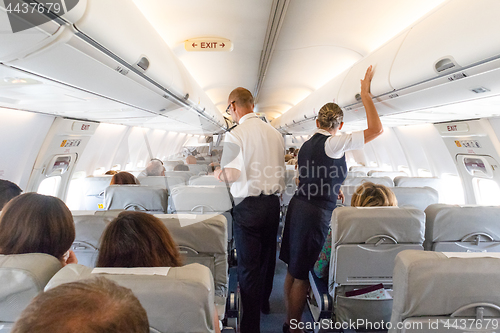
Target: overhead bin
{"x": 457, "y": 35}
{"x": 381, "y": 60}
{"x": 113, "y": 51}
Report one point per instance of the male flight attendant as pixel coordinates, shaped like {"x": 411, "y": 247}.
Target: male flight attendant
{"x": 253, "y": 161}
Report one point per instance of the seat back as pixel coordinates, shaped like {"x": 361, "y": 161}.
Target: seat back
{"x": 203, "y": 239}
{"x": 205, "y": 180}
{"x": 200, "y": 199}
{"x": 418, "y": 197}
{"x": 22, "y": 277}
{"x": 390, "y": 174}
{"x": 371, "y": 238}
{"x": 451, "y": 228}
{"x": 376, "y": 180}
{"x": 182, "y": 174}
{"x": 148, "y": 199}
{"x": 170, "y": 165}
{"x": 163, "y": 182}
{"x": 88, "y": 231}
{"x": 434, "y": 291}
{"x": 93, "y": 188}
{"x": 405, "y": 181}
{"x": 198, "y": 168}
{"x": 352, "y": 174}
{"x": 180, "y": 300}
{"x": 365, "y": 242}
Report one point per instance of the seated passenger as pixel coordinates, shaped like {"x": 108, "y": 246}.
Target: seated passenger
{"x": 35, "y": 223}
{"x": 288, "y": 157}
{"x": 181, "y": 167}
{"x": 154, "y": 168}
{"x": 8, "y": 191}
{"x": 111, "y": 172}
{"x": 124, "y": 178}
{"x": 200, "y": 158}
{"x": 367, "y": 194}
{"x": 92, "y": 306}
{"x": 136, "y": 239}
{"x": 190, "y": 159}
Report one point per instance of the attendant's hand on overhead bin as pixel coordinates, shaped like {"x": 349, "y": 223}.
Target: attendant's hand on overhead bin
{"x": 366, "y": 82}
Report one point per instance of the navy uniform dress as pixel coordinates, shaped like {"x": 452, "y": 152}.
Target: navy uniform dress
{"x": 310, "y": 210}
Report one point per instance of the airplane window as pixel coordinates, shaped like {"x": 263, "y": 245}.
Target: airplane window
{"x": 128, "y": 166}
{"x": 452, "y": 191}
{"x": 141, "y": 164}
{"x": 475, "y": 166}
{"x": 99, "y": 171}
{"x": 404, "y": 169}
{"x": 116, "y": 167}
{"x": 50, "y": 186}
{"x": 487, "y": 191}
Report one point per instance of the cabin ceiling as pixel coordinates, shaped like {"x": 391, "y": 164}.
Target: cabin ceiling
{"x": 318, "y": 40}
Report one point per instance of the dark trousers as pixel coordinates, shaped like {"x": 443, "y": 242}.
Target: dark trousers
{"x": 256, "y": 221}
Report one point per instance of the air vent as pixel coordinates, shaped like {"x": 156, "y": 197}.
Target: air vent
{"x": 358, "y": 97}
{"x": 122, "y": 70}
{"x": 445, "y": 64}
{"x": 480, "y": 90}
{"x": 143, "y": 63}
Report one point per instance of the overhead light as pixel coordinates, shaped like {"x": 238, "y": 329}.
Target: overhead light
{"x": 480, "y": 90}
{"x": 18, "y": 81}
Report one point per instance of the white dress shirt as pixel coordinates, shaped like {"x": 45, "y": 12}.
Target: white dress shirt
{"x": 257, "y": 150}
{"x": 337, "y": 145}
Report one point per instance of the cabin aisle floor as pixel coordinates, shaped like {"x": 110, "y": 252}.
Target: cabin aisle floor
{"x": 273, "y": 322}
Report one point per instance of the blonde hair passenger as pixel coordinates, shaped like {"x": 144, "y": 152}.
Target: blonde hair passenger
{"x": 369, "y": 194}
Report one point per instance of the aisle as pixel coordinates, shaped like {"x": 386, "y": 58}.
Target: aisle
{"x": 273, "y": 322}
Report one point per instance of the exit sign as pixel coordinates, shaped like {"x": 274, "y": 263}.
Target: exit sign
{"x": 214, "y": 44}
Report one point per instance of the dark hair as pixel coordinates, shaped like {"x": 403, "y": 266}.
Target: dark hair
{"x": 181, "y": 167}
{"x": 8, "y": 190}
{"x": 137, "y": 239}
{"x": 36, "y": 223}
{"x": 124, "y": 178}
{"x": 91, "y": 306}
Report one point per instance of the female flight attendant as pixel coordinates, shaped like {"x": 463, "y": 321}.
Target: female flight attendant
{"x": 322, "y": 169}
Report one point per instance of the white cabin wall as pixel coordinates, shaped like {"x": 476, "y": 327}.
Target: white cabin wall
{"x": 495, "y": 124}
{"x": 387, "y": 152}
{"x": 425, "y": 150}
{"x": 21, "y": 134}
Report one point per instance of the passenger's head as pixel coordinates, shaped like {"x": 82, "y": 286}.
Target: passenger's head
{"x": 181, "y": 167}
{"x": 330, "y": 117}
{"x": 136, "y": 239}
{"x": 190, "y": 159}
{"x": 288, "y": 157}
{"x": 240, "y": 102}
{"x": 89, "y": 306}
{"x": 35, "y": 223}
{"x": 124, "y": 178}
{"x": 8, "y": 190}
{"x": 291, "y": 150}
{"x": 369, "y": 194}
{"x": 155, "y": 168}
{"x": 111, "y": 172}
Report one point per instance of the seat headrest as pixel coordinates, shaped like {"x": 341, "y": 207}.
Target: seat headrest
{"x": 181, "y": 301}
{"x": 205, "y": 180}
{"x": 22, "y": 277}
{"x": 89, "y": 228}
{"x": 418, "y": 197}
{"x": 376, "y": 180}
{"x": 355, "y": 225}
{"x": 452, "y": 222}
{"x": 136, "y": 197}
{"x": 429, "y": 283}
{"x": 161, "y": 181}
{"x": 405, "y": 181}
{"x": 203, "y": 233}
{"x": 194, "y": 197}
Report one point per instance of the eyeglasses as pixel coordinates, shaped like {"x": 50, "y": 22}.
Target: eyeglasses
{"x": 227, "y": 109}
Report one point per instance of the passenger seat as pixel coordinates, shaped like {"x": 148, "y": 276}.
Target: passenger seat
{"x": 22, "y": 277}
{"x": 452, "y": 228}
{"x": 149, "y": 199}
{"x": 446, "y": 292}
{"x": 176, "y": 299}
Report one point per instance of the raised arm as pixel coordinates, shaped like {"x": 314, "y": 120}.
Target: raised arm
{"x": 374, "y": 124}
